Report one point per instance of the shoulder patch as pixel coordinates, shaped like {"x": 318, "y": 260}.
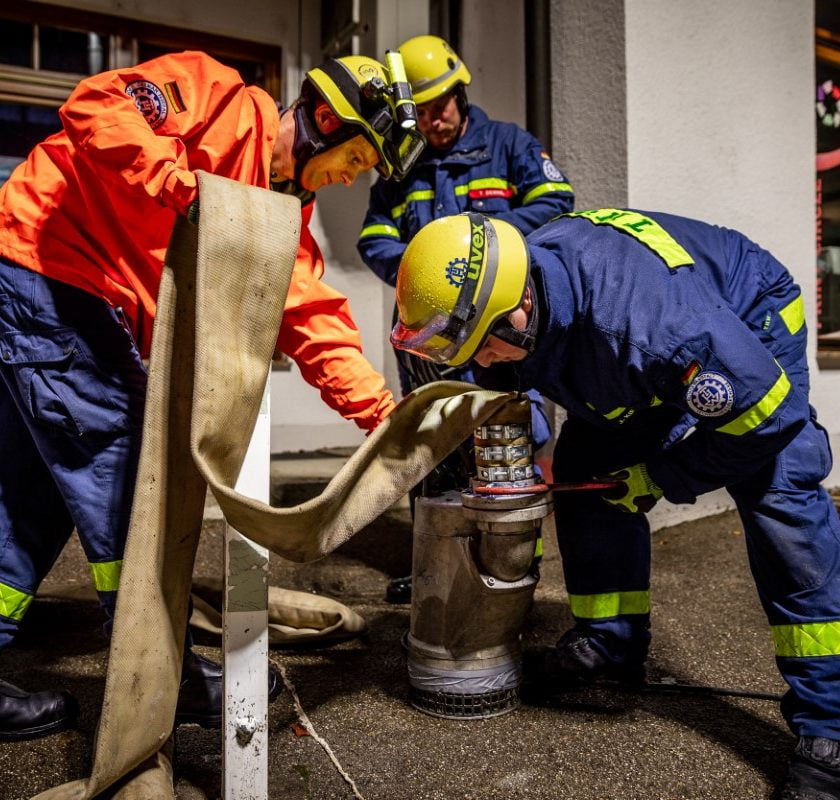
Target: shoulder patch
{"x": 150, "y": 102}
{"x": 551, "y": 170}
{"x": 710, "y": 394}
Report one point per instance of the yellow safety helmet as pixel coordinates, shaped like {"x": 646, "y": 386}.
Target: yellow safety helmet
{"x": 432, "y": 67}
{"x": 458, "y": 277}
{"x": 368, "y": 98}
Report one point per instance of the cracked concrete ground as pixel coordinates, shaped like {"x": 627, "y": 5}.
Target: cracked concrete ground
{"x": 593, "y": 744}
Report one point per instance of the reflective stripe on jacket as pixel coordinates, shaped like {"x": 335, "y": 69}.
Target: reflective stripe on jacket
{"x": 93, "y": 206}
{"x": 496, "y": 168}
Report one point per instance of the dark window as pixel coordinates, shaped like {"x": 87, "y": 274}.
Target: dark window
{"x": 16, "y": 43}
{"x": 24, "y": 126}
{"x": 78, "y": 52}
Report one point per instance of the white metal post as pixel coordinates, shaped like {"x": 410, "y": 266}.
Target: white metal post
{"x": 245, "y": 639}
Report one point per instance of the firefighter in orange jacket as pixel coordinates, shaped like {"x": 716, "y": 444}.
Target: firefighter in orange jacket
{"x": 84, "y": 224}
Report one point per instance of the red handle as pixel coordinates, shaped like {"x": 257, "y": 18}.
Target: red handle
{"x": 540, "y": 488}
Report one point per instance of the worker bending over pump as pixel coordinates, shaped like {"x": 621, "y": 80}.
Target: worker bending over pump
{"x": 85, "y": 224}
{"x": 678, "y": 350}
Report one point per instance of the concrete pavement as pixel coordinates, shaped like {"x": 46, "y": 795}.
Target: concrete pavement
{"x": 595, "y": 744}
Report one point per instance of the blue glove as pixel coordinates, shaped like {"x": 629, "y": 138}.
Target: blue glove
{"x": 637, "y": 492}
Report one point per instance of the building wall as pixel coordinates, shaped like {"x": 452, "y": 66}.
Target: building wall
{"x": 704, "y": 110}
{"x": 589, "y": 103}
{"x": 728, "y": 133}
{"x": 492, "y": 45}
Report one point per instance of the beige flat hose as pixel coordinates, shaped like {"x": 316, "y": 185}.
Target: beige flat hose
{"x": 219, "y": 309}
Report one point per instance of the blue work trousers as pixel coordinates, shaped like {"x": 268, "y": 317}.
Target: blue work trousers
{"x": 72, "y": 393}
{"x": 792, "y": 534}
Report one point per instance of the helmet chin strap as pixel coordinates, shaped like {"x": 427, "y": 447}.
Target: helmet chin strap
{"x": 463, "y": 106}
{"x": 526, "y": 339}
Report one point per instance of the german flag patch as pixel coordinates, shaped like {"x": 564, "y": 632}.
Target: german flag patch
{"x": 173, "y": 94}
{"x": 690, "y": 374}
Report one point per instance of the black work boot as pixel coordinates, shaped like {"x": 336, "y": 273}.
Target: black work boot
{"x": 814, "y": 771}
{"x": 25, "y": 715}
{"x": 201, "y": 697}
{"x": 574, "y": 662}
{"x": 399, "y": 591}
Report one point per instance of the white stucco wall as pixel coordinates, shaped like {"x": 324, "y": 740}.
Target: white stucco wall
{"x": 720, "y": 126}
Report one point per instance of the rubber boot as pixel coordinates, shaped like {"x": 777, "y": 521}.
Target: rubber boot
{"x": 25, "y": 715}
{"x": 814, "y": 771}
{"x": 201, "y": 696}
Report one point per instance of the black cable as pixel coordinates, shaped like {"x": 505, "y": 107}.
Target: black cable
{"x": 658, "y": 687}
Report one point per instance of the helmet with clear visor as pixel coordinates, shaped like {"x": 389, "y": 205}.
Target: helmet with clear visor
{"x": 459, "y": 276}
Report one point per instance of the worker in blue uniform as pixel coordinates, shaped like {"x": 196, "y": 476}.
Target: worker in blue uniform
{"x": 470, "y": 163}
{"x": 678, "y": 350}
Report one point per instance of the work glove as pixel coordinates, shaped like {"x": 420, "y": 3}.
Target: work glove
{"x": 636, "y": 491}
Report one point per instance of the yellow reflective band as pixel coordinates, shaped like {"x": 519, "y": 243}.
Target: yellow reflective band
{"x": 807, "y": 640}
{"x": 616, "y": 412}
{"x": 412, "y": 197}
{"x": 13, "y": 602}
{"x": 483, "y": 183}
{"x": 106, "y": 576}
{"x": 655, "y": 401}
{"x": 538, "y": 550}
{"x": 611, "y": 604}
{"x": 642, "y": 228}
{"x": 380, "y": 230}
{"x": 793, "y": 315}
{"x": 545, "y": 188}
{"x": 753, "y": 417}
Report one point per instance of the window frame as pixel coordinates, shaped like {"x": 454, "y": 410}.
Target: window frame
{"x": 34, "y": 86}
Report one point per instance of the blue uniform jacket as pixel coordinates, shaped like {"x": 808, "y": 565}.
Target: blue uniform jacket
{"x": 496, "y": 168}
{"x": 645, "y": 313}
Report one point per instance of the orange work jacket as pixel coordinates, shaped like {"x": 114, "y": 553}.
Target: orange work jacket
{"x": 94, "y": 204}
